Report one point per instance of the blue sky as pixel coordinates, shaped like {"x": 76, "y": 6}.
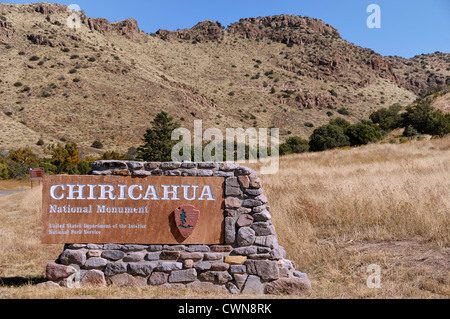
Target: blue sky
{"x": 408, "y": 27}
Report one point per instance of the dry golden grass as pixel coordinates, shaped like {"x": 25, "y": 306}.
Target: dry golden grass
{"x": 335, "y": 212}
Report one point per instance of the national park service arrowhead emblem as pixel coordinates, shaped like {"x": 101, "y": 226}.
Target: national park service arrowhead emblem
{"x": 186, "y": 218}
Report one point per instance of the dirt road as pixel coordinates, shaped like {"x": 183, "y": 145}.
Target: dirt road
{"x": 7, "y": 192}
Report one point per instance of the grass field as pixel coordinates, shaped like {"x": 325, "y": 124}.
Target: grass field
{"x": 335, "y": 212}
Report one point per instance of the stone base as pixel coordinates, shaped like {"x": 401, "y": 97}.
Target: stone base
{"x": 222, "y": 268}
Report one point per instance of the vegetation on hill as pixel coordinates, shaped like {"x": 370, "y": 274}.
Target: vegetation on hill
{"x": 106, "y": 81}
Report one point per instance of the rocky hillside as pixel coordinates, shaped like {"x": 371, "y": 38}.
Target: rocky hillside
{"x": 106, "y": 81}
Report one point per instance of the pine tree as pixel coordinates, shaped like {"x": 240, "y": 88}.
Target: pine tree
{"x": 158, "y": 143}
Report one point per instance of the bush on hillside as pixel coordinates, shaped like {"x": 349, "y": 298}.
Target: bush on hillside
{"x": 328, "y": 137}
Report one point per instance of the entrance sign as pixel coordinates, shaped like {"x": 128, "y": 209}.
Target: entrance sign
{"x": 36, "y": 174}
{"x": 134, "y": 210}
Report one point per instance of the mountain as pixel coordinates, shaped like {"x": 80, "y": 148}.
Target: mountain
{"x": 106, "y": 81}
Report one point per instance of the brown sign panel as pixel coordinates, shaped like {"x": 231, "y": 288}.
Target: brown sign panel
{"x": 36, "y": 174}
{"x": 133, "y": 210}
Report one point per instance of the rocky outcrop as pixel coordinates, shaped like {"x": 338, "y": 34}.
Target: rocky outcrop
{"x": 41, "y": 40}
{"x": 282, "y": 28}
{"x": 202, "y": 32}
{"x": 128, "y": 28}
{"x": 7, "y": 30}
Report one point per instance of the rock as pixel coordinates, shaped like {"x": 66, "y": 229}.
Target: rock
{"x": 94, "y": 253}
{"x": 232, "y": 202}
{"x": 155, "y": 248}
{"x": 201, "y": 32}
{"x": 48, "y": 285}
{"x": 238, "y": 269}
{"x": 170, "y": 165}
{"x": 135, "y": 166}
{"x": 141, "y": 173}
{"x": 188, "y": 165}
{"x": 270, "y": 241}
{"x": 230, "y": 230}
{"x": 202, "y": 266}
{"x": 113, "y": 255}
{"x": 265, "y": 269}
{"x": 253, "y": 285}
{"x": 235, "y": 260}
{"x": 168, "y": 266}
{"x": 95, "y": 263}
{"x": 244, "y": 221}
{"x": 121, "y": 172}
{"x": 220, "y": 277}
{"x": 251, "y": 203}
{"x": 143, "y": 269}
{"x": 233, "y": 191}
{"x": 188, "y": 263}
{"x": 299, "y": 274}
{"x": 245, "y": 251}
{"x": 94, "y": 278}
{"x": 112, "y": 247}
{"x": 158, "y": 278}
{"x": 151, "y": 166}
{"x": 196, "y": 256}
{"x": 169, "y": 255}
{"x": 128, "y": 28}
{"x": 174, "y": 247}
{"x": 245, "y": 236}
{"x": 198, "y": 248}
{"x": 289, "y": 286}
{"x": 212, "y": 256}
{"x": 115, "y": 268}
{"x": 55, "y": 272}
{"x": 123, "y": 280}
{"x": 134, "y": 257}
{"x": 262, "y": 198}
{"x": 278, "y": 253}
{"x": 208, "y": 165}
{"x": 228, "y": 166}
{"x": 262, "y": 216}
{"x": 221, "y": 248}
{"x": 254, "y": 192}
{"x": 240, "y": 280}
{"x": 220, "y": 266}
{"x": 184, "y": 276}
{"x": 244, "y": 181}
{"x": 133, "y": 247}
{"x": 263, "y": 229}
{"x": 73, "y": 257}
{"x": 152, "y": 256}
{"x": 232, "y": 182}
{"x": 232, "y": 288}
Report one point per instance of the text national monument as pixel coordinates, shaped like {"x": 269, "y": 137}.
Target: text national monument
{"x": 197, "y": 225}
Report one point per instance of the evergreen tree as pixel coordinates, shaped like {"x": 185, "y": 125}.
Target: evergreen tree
{"x": 158, "y": 143}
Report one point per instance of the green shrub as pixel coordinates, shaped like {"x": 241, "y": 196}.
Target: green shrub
{"x": 35, "y": 58}
{"x": 328, "y": 137}
{"x": 339, "y": 121}
{"x": 298, "y": 145}
{"x": 97, "y": 144}
{"x": 426, "y": 120}
{"x": 362, "y": 134}
{"x": 387, "y": 118}
{"x": 18, "y": 84}
{"x": 344, "y": 111}
{"x": 410, "y": 131}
